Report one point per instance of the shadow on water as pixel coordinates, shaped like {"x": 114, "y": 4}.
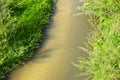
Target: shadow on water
{"x": 46, "y": 37}
{"x": 46, "y": 53}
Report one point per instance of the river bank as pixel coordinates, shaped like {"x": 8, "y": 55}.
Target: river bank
{"x": 103, "y": 44}
{"x": 22, "y": 23}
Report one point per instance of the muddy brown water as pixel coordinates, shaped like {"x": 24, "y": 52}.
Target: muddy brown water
{"x": 54, "y": 60}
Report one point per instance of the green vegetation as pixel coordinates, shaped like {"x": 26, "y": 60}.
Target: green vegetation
{"x": 21, "y": 24}
{"x": 103, "y": 61}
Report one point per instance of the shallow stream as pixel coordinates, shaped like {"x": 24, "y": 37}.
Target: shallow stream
{"x": 54, "y": 60}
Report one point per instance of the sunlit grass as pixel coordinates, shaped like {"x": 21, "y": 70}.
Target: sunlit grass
{"x": 103, "y": 62}
{"x": 21, "y": 24}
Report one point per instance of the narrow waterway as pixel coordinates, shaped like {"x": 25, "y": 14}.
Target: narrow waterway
{"x": 54, "y": 60}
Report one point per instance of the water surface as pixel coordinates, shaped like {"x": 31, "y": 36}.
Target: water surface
{"x": 53, "y": 61}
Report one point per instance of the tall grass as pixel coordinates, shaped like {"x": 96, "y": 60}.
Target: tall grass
{"x": 21, "y": 25}
{"x": 103, "y": 62}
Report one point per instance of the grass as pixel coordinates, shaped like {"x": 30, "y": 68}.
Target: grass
{"x": 103, "y": 61}
{"x": 21, "y": 25}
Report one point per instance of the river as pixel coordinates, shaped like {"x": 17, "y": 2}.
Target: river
{"x": 54, "y": 60}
